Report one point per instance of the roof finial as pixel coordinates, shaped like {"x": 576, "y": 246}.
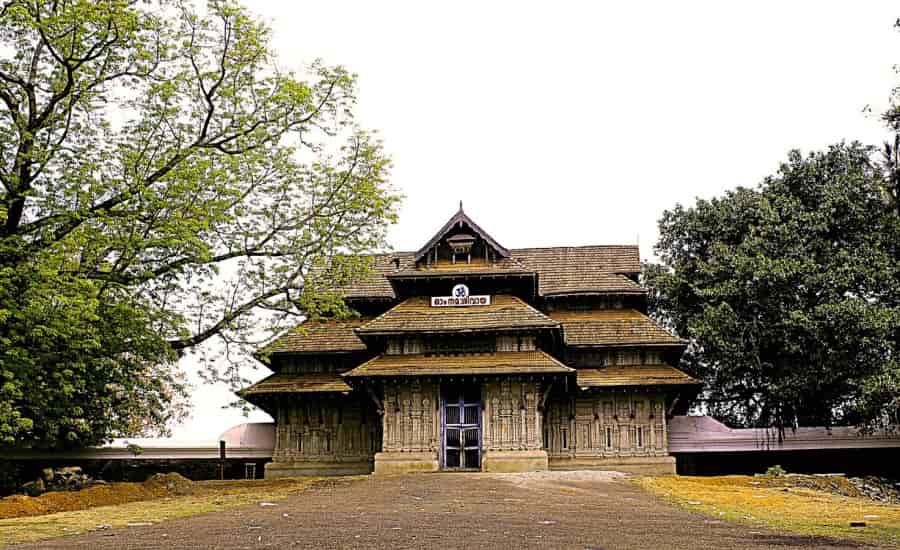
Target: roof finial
{"x": 460, "y": 206}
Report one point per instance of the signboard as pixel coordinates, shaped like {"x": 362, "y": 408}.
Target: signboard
{"x": 460, "y": 298}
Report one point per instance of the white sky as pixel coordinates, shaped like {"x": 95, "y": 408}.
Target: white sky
{"x": 567, "y": 123}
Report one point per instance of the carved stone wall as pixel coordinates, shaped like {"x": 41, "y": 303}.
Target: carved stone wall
{"x": 511, "y": 420}
{"x": 605, "y": 425}
{"x": 326, "y": 428}
{"x": 411, "y": 417}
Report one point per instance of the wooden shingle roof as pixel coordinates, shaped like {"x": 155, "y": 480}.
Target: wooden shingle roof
{"x": 633, "y": 375}
{"x": 416, "y": 315}
{"x": 583, "y": 269}
{"x": 321, "y": 336}
{"x": 560, "y": 270}
{"x": 612, "y": 328}
{"x": 508, "y": 362}
{"x": 375, "y": 284}
{"x": 314, "y": 382}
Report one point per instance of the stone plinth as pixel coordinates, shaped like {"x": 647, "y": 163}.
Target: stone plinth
{"x": 316, "y": 468}
{"x": 406, "y": 462}
{"x": 644, "y": 465}
{"x": 514, "y": 461}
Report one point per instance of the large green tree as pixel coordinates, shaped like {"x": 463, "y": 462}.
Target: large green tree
{"x": 788, "y": 293}
{"x": 163, "y": 182}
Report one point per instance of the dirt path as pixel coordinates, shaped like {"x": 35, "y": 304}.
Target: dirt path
{"x": 542, "y": 510}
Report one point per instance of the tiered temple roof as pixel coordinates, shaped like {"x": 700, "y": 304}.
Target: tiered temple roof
{"x": 599, "y": 282}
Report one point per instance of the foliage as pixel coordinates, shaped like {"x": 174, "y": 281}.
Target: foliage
{"x": 788, "y": 293}
{"x": 776, "y": 471}
{"x": 164, "y": 183}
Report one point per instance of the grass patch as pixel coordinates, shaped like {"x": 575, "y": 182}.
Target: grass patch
{"x": 773, "y": 503}
{"x": 207, "y": 496}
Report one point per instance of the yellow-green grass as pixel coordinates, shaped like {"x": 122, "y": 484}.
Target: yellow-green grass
{"x": 780, "y": 507}
{"x": 208, "y": 496}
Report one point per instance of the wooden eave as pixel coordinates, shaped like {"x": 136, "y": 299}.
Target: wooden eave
{"x": 479, "y": 271}
{"x": 633, "y": 376}
{"x": 611, "y": 292}
{"x": 281, "y": 383}
{"x": 625, "y": 344}
{"x": 495, "y": 330}
{"x": 471, "y": 364}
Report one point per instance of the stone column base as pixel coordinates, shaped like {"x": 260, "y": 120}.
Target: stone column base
{"x": 316, "y": 468}
{"x": 644, "y": 465}
{"x": 514, "y": 461}
{"x": 406, "y": 463}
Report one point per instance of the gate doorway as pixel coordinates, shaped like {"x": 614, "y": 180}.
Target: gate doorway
{"x": 461, "y": 426}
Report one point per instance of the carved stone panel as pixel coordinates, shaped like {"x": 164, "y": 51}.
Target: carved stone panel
{"x": 605, "y": 425}
{"x": 511, "y": 418}
{"x": 411, "y": 416}
{"x": 327, "y": 428}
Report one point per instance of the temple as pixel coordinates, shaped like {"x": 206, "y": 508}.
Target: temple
{"x": 465, "y": 355}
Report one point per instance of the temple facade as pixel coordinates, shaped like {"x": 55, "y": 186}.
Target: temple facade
{"x": 465, "y": 355}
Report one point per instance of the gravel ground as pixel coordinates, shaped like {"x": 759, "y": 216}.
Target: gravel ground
{"x": 585, "y": 510}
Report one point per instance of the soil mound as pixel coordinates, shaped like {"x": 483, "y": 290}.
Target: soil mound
{"x": 172, "y": 483}
{"x": 158, "y": 486}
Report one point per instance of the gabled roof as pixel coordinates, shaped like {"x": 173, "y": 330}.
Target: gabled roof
{"x": 320, "y": 336}
{"x": 505, "y": 362}
{"x": 634, "y": 375}
{"x": 613, "y": 328}
{"x": 461, "y": 219}
{"x": 416, "y": 315}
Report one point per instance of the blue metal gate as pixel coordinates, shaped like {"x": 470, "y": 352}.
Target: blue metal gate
{"x": 461, "y": 427}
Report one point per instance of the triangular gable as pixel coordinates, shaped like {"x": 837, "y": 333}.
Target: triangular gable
{"x": 459, "y": 219}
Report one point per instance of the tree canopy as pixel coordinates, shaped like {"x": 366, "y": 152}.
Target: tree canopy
{"x": 163, "y": 182}
{"x": 788, "y": 293}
